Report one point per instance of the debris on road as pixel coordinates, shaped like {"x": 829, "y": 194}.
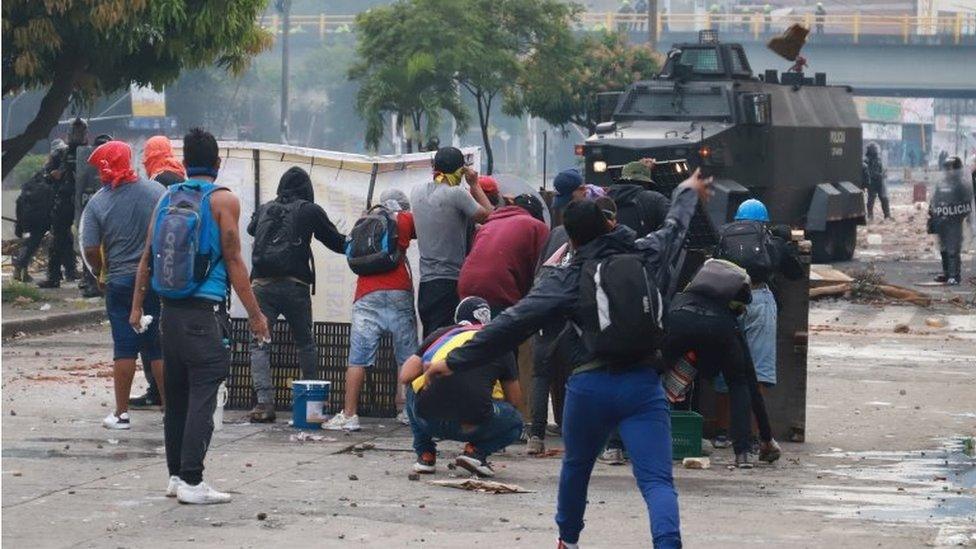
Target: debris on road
{"x": 309, "y": 437}
{"x": 936, "y": 322}
{"x": 867, "y": 285}
{"x": 902, "y": 328}
{"x": 696, "y": 463}
{"x": 479, "y": 485}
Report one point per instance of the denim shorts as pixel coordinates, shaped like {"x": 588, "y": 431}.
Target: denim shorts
{"x": 378, "y": 312}
{"x": 758, "y": 324}
{"x": 126, "y": 342}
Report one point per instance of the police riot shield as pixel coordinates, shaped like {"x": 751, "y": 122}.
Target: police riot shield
{"x": 952, "y": 197}
{"x": 87, "y": 182}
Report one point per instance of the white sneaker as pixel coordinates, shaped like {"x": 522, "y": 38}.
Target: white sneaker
{"x": 342, "y": 422}
{"x": 113, "y": 421}
{"x": 201, "y": 494}
{"x": 403, "y": 418}
{"x": 174, "y": 484}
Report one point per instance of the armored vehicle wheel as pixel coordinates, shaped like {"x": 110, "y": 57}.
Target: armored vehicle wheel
{"x": 822, "y": 246}
{"x": 844, "y": 235}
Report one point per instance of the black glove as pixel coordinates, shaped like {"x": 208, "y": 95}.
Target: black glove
{"x": 781, "y": 231}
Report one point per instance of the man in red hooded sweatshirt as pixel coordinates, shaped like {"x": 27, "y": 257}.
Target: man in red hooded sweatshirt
{"x": 113, "y": 231}
{"x": 501, "y": 265}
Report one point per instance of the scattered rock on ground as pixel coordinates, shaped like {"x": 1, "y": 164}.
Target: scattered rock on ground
{"x": 696, "y": 463}
{"x": 902, "y": 328}
{"x": 935, "y": 322}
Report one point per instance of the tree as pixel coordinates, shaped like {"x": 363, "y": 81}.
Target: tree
{"x": 80, "y": 49}
{"x": 496, "y": 39}
{"x": 560, "y": 84}
{"x": 406, "y": 68}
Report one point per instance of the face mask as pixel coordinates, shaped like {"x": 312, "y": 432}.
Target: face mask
{"x": 452, "y": 179}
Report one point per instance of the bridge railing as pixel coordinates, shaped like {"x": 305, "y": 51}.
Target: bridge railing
{"x": 757, "y": 24}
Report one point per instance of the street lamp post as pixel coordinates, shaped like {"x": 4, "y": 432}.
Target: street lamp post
{"x": 284, "y": 7}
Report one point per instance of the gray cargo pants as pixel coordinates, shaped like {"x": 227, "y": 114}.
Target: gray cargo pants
{"x": 291, "y": 299}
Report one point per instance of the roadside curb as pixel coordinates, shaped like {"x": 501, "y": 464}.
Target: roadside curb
{"x": 58, "y": 321}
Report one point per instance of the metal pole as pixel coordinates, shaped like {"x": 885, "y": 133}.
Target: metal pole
{"x": 652, "y": 23}
{"x": 545, "y": 157}
{"x": 285, "y": 7}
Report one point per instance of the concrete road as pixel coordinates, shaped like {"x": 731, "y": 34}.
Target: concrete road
{"x": 882, "y": 467}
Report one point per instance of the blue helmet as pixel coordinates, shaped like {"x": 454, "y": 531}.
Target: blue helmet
{"x": 752, "y": 210}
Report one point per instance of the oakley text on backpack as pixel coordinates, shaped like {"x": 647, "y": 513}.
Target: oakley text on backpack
{"x": 182, "y": 253}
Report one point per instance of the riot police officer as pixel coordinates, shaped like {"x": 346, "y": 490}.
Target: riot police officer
{"x": 951, "y": 203}
{"x": 874, "y": 175}
{"x": 62, "y": 252}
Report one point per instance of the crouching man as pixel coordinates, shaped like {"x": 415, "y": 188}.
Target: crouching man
{"x": 475, "y": 406}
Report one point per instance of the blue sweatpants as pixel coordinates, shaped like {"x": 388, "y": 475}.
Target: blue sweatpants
{"x": 634, "y": 402}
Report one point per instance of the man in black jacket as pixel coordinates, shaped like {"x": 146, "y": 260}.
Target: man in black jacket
{"x": 638, "y": 207}
{"x": 284, "y": 288}
{"x": 644, "y": 211}
{"x": 600, "y": 396}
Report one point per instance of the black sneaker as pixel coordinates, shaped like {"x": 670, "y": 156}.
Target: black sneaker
{"x": 743, "y": 461}
{"x": 262, "y": 413}
{"x": 143, "y": 402}
{"x": 48, "y": 284}
{"x": 473, "y": 461}
{"x": 91, "y": 291}
{"x": 769, "y": 451}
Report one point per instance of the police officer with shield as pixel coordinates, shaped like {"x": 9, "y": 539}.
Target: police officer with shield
{"x": 62, "y": 252}
{"x": 951, "y": 203}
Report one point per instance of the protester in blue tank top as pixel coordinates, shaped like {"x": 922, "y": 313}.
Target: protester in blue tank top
{"x": 195, "y": 329}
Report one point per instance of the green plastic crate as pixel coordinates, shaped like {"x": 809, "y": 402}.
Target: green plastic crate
{"x": 686, "y": 434}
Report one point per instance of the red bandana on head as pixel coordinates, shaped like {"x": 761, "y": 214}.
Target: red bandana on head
{"x": 113, "y": 160}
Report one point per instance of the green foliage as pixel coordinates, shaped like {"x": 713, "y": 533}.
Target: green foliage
{"x": 82, "y": 49}
{"x": 499, "y": 39}
{"x": 113, "y": 43}
{"x": 406, "y": 63}
{"x": 416, "y": 54}
{"x": 13, "y": 290}
{"x": 560, "y": 84}
{"x": 24, "y": 170}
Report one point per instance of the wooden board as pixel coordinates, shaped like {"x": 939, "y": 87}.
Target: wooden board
{"x": 825, "y": 275}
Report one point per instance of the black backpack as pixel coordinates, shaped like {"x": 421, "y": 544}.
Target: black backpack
{"x": 745, "y": 243}
{"x": 34, "y": 203}
{"x": 619, "y": 308}
{"x": 371, "y": 246}
{"x": 278, "y": 246}
{"x": 638, "y": 211}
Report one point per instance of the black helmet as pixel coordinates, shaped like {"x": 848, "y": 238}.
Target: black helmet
{"x": 952, "y": 163}
{"x": 102, "y": 139}
{"x": 872, "y": 150}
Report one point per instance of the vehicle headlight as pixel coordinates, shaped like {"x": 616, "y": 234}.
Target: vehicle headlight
{"x": 599, "y": 166}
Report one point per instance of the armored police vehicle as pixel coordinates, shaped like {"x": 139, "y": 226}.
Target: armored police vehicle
{"x": 790, "y": 140}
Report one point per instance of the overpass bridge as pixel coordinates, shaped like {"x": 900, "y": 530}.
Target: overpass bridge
{"x": 889, "y": 55}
